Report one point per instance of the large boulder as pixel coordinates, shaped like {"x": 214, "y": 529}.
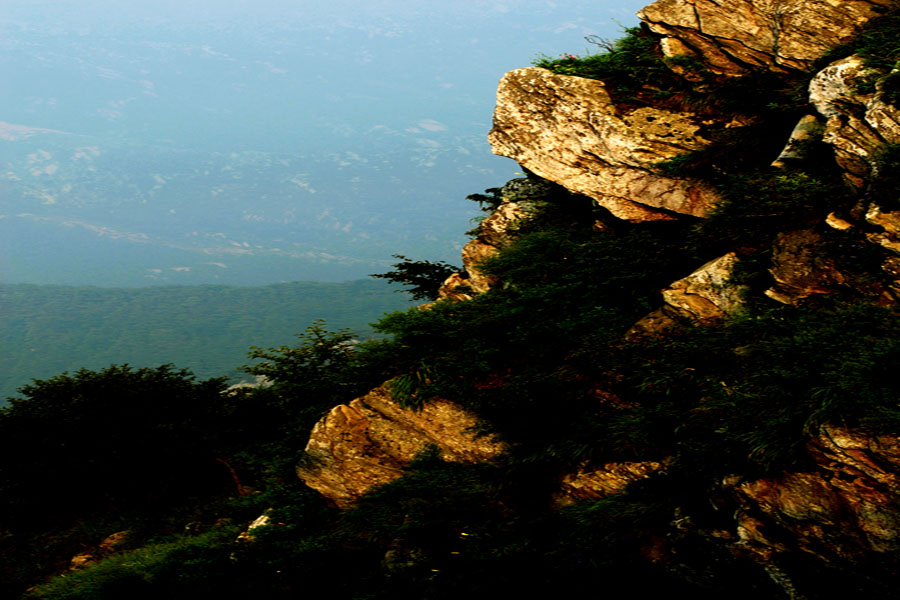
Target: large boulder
{"x": 369, "y": 442}
{"x": 567, "y": 130}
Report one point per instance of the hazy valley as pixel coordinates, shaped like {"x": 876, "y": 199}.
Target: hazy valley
{"x": 248, "y": 146}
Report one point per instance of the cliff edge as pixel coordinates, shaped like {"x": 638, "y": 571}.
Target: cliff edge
{"x": 768, "y": 204}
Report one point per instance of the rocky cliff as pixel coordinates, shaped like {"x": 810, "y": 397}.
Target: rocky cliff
{"x": 837, "y": 509}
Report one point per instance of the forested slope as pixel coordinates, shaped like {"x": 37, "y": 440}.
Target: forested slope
{"x": 208, "y": 329}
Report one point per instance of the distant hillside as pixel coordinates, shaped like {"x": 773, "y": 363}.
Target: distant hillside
{"x": 208, "y": 329}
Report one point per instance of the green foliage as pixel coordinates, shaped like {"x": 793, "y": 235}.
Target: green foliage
{"x": 424, "y": 276}
{"x": 489, "y": 200}
{"x": 890, "y": 86}
{"x": 734, "y": 150}
{"x": 320, "y": 368}
{"x": 760, "y": 93}
{"x": 876, "y": 41}
{"x": 325, "y": 369}
{"x": 860, "y": 261}
{"x": 758, "y": 387}
{"x": 755, "y": 207}
{"x": 79, "y": 452}
{"x": 188, "y": 567}
{"x": 628, "y": 65}
{"x": 635, "y": 72}
{"x": 107, "y": 433}
{"x": 505, "y": 352}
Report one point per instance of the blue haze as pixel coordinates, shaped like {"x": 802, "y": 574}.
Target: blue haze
{"x": 253, "y": 143}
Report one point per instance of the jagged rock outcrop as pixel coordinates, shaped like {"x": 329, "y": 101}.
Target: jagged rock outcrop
{"x": 889, "y": 224}
{"x": 731, "y": 37}
{"x": 566, "y": 129}
{"x": 847, "y": 508}
{"x": 369, "y": 441}
{"x": 108, "y": 546}
{"x": 520, "y": 198}
{"x": 858, "y": 124}
{"x": 594, "y": 483}
{"x": 704, "y": 296}
{"x": 461, "y": 286}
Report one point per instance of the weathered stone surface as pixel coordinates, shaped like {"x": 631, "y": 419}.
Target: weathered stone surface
{"x": 773, "y": 34}
{"x": 855, "y": 145}
{"x": 589, "y": 483}
{"x": 369, "y": 441}
{"x": 845, "y": 509}
{"x": 889, "y": 222}
{"x": 565, "y": 129}
{"x": 109, "y": 545}
{"x": 859, "y": 125}
{"x": 834, "y": 87}
{"x": 800, "y": 268}
{"x": 247, "y": 536}
{"x": 473, "y": 253}
{"x": 884, "y": 118}
{"x": 705, "y": 294}
{"x": 493, "y": 230}
{"x": 836, "y": 222}
{"x": 455, "y": 288}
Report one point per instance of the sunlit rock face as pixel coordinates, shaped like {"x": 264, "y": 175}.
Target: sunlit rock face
{"x": 369, "y": 441}
{"x": 594, "y": 483}
{"x": 858, "y": 124}
{"x": 706, "y": 295}
{"x": 703, "y": 297}
{"x": 844, "y": 509}
{"x": 887, "y": 224}
{"x": 567, "y": 130}
{"x": 732, "y": 37}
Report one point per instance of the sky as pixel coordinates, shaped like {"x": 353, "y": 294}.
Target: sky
{"x": 161, "y": 142}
